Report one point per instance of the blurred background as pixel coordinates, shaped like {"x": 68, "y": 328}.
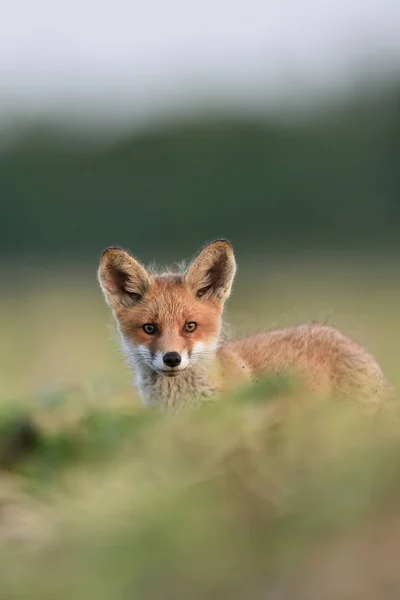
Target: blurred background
{"x": 158, "y": 126}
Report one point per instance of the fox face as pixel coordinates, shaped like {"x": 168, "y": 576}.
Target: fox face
{"x": 171, "y": 329}
{"x": 171, "y": 321}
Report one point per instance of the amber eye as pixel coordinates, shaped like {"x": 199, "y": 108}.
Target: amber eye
{"x": 190, "y": 327}
{"x": 149, "y": 328}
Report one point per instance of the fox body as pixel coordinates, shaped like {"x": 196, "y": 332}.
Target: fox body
{"x": 170, "y": 328}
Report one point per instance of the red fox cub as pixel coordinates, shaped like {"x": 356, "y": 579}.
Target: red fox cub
{"x": 170, "y": 326}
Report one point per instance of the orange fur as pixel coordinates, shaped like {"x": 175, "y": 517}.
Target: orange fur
{"x": 328, "y": 362}
{"x": 170, "y": 304}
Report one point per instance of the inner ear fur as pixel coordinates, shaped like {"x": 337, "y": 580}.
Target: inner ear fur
{"x": 211, "y": 274}
{"x": 122, "y": 278}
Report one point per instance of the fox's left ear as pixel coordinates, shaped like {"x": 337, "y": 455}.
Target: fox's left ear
{"x": 211, "y": 274}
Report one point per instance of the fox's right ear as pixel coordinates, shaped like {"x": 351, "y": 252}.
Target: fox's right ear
{"x": 122, "y": 278}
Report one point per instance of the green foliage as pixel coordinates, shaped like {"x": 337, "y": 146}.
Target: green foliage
{"x": 225, "y": 500}
{"x": 331, "y": 180}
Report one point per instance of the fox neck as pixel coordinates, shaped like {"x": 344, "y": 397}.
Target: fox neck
{"x": 192, "y": 386}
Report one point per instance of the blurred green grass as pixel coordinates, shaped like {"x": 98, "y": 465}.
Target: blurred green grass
{"x": 229, "y": 500}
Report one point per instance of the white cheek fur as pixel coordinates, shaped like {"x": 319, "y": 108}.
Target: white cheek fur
{"x": 140, "y": 354}
{"x": 158, "y": 360}
{"x": 185, "y": 360}
{"x": 133, "y": 353}
{"x": 200, "y": 349}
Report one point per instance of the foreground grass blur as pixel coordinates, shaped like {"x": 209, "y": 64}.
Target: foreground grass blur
{"x": 236, "y": 499}
{"x": 229, "y": 500}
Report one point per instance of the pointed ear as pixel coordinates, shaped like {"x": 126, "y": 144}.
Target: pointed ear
{"x": 211, "y": 274}
{"x": 122, "y": 278}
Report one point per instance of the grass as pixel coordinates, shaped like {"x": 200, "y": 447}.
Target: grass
{"x": 230, "y": 500}
{"x": 221, "y": 500}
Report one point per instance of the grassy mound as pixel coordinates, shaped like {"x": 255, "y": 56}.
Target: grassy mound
{"x": 232, "y": 500}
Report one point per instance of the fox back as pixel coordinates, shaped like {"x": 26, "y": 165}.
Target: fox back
{"x": 170, "y": 329}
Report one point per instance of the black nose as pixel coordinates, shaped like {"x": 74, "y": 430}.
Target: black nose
{"x": 172, "y": 359}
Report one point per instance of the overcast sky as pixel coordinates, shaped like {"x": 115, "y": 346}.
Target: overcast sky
{"x": 142, "y": 59}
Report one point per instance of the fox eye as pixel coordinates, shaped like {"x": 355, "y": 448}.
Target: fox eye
{"x": 190, "y": 327}
{"x": 149, "y": 328}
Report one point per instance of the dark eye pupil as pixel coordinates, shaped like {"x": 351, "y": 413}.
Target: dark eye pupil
{"x": 148, "y": 328}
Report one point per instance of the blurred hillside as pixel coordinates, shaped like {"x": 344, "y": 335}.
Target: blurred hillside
{"x": 328, "y": 180}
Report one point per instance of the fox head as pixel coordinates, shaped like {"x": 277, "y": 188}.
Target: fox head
{"x": 168, "y": 322}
